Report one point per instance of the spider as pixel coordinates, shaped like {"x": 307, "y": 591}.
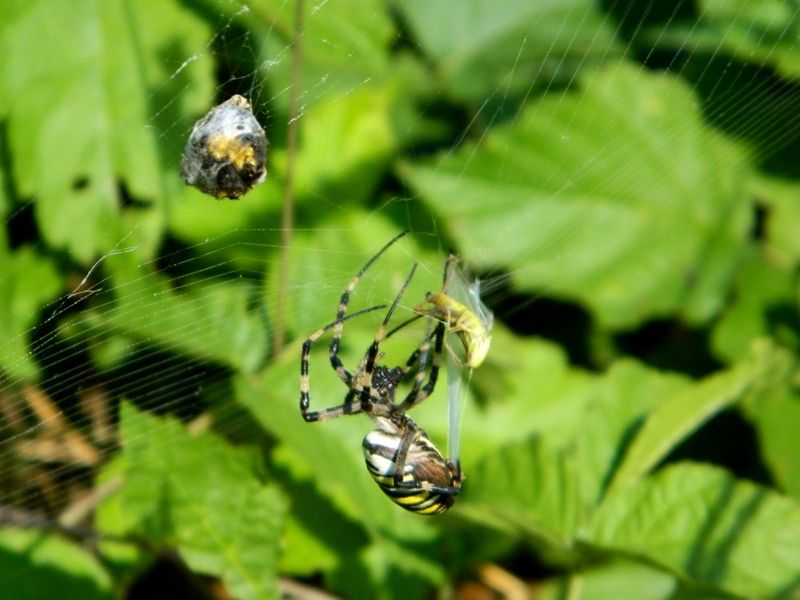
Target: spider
{"x": 400, "y": 457}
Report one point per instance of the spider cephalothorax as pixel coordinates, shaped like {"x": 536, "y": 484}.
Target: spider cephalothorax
{"x": 403, "y": 461}
{"x": 386, "y": 380}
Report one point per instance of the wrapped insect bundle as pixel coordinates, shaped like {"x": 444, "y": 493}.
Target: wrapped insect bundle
{"x": 226, "y": 154}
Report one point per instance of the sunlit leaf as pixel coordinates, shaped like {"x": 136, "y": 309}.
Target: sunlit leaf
{"x": 210, "y": 322}
{"x": 345, "y": 44}
{"x": 618, "y": 580}
{"x": 76, "y": 95}
{"x": 308, "y": 548}
{"x": 781, "y": 200}
{"x": 525, "y": 387}
{"x": 776, "y": 417}
{"x": 36, "y": 564}
{"x": 765, "y": 304}
{"x": 617, "y": 407}
{"x": 346, "y": 147}
{"x": 618, "y": 197}
{"x": 27, "y": 282}
{"x": 202, "y": 495}
{"x": 581, "y": 424}
{"x": 484, "y": 48}
{"x": 322, "y": 264}
{"x": 703, "y": 524}
{"x": 528, "y": 487}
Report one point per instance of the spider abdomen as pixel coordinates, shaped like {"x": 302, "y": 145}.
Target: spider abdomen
{"x": 430, "y": 483}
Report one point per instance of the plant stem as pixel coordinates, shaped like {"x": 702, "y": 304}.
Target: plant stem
{"x": 574, "y": 586}
{"x": 287, "y": 222}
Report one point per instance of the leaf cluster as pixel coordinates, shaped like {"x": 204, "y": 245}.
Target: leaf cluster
{"x": 622, "y": 178}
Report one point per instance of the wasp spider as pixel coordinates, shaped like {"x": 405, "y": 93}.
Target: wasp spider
{"x": 401, "y": 459}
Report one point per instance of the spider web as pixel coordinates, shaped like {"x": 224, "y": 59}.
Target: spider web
{"x": 598, "y": 162}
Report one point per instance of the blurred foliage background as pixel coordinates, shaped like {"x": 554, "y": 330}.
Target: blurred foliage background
{"x": 622, "y": 174}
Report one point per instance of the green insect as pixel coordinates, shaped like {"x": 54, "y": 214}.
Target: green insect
{"x": 459, "y": 306}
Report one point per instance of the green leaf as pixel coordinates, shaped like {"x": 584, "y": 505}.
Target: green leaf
{"x": 618, "y": 580}
{"x": 618, "y": 197}
{"x": 781, "y": 199}
{"x": 228, "y": 228}
{"x": 5, "y": 201}
{"x": 618, "y": 404}
{"x": 74, "y": 87}
{"x": 504, "y": 407}
{"x": 201, "y": 495}
{"x": 703, "y": 524}
{"x": 760, "y": 32}
{"x": 329, "y": 454}
{"x": 346, "y": 147}
{"x": 344, "y": 44}
{"x": 581, "y": 424}
{"x": 322, "y": 263}
{"x": 331, "y": 450}
{"x": 404, "y": 574}
{"x": 776, "y": 416}
{"x": 308, "y": 548}
{"x": 484, "y": 48}
{"x": 214, "y": 321}
{"x": 36, "y": 564}
{"x": 687, "y": 409}
{"x": 527, "y": 487}
{"x": 29, "y": 282}
{"x": 765, "y": 304}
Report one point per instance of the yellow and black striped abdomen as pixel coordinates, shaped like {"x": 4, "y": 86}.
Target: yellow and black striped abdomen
{"x": 430, "y": 483}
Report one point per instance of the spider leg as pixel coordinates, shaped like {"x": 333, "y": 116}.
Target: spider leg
{"x": 336, "y": 363}
{"x": 420, "y": 354}
{"x": 348, "y": 408}
{"x": 402, "y": 453}
{"x": 449, "y": 271}
{"x": 402, "y": 325}
{"x": 450, "y": 490}
{"x": 372, "y": 353}
{"x": 419, "y": 393}
{"x": 304, "y": 398}
{"x": 409, "y": 436}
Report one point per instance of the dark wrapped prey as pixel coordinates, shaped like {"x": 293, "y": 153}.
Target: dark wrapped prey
{"x": 226, "y": 154}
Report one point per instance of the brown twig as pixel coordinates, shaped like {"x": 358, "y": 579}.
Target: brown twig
{"x": 25, "y": 519}
{"x": 287, "y": 222}
{"x": 95, "y": 402}
{"x": 58, "y": 442}
{"x": 294, "y": 590}
{"x": 83, "y": 507}
{"x": 506, "y": 584}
